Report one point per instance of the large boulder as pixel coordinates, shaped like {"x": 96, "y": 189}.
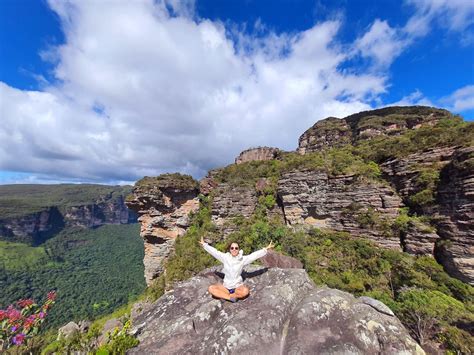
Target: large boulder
{"x": 284, "y": 314}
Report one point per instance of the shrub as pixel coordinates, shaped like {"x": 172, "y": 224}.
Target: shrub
{"x": 423, "y": 311}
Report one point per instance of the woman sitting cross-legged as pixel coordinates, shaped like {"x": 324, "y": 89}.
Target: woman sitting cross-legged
{"x": 234, "y": 262}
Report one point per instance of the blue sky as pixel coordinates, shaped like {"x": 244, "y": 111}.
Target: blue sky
{"x": 110, "y": 91}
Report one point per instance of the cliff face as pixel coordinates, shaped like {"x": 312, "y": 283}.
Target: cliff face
{"x": 435, "y": 183}
{"x": 37, "y": 226}
{"x": 163, "y": 205}
{"x": 284, "y": 314}
{"x": 455, "y": 215}
{"x": 339, "y": 203}
{"x": 260, "y": 153}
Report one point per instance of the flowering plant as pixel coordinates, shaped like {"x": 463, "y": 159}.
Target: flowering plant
{"x": 22, "y": 320}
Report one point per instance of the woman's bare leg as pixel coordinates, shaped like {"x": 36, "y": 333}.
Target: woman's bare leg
{"x": 219, "y": 291}
{"x": 241, "y": 292}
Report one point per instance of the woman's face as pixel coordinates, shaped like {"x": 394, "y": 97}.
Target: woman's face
{"x": 234, "y": 249}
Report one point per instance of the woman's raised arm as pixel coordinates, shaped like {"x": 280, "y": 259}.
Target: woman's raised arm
{"x": 213, "y": 251}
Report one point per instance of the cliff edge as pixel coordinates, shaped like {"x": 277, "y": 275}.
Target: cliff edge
{"x": 284, "y": 314}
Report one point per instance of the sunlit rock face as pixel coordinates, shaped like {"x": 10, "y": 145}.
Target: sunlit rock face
{"x": 259, "y": 153}
{"x": 163, "y": 205}
{"x": 340, "y": 203}
{"x": 284, "y": 314}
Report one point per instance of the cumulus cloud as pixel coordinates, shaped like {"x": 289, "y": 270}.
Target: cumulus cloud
{"x": 461, "y": 99}
{"x": 382, "y": 43}
{"x": 146, "y": 87}
{"x": 415, "y": 98}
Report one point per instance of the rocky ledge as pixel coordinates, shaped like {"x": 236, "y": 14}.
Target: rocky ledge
{"x": 284, "y": 314}
{"x": 163, "y": 204}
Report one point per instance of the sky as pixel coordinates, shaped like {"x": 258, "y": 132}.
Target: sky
{"x": 109, "y": 91}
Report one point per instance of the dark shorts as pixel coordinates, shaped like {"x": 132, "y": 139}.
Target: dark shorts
{"x": 231, "y": 290}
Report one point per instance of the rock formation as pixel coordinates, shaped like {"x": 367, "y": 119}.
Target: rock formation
{"x": 336, "y": 132}
{"x": 330, "y": 132}
{"x": 455, "y": 215}
{"x": 37, "y": 226}
{"x": 350, "y": 203}
{"x": 339, "y": 203}
{"x": 284, "y": 314}
{"x": 260, "y": 153}
{"x": 163, "y": 205}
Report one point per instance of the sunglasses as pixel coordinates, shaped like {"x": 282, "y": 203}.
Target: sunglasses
{"x": 234, "y": 248}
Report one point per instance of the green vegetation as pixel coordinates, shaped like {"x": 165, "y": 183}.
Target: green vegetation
{"x": 335, "y": 161}
{"x": 401, "y": 281}
{"x": 175, "y": 180}
{"x": 447, "y": 132}
{"x": 93, "y": 271}
{"x": 16, "y": 256}
{"x": 20, "y": 200}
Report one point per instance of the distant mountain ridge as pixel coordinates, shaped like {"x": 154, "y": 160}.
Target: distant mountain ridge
{"x": 32, "y": 213}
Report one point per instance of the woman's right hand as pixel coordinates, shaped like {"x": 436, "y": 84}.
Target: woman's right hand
{"x": 202, "y": 242}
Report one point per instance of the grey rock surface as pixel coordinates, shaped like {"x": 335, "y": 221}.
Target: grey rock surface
{"x": 284, "y": 314}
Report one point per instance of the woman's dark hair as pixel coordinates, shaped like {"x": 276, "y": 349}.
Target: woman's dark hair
{"x": 230, "y": 243}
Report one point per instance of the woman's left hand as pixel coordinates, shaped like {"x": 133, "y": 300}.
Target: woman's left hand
{"x": 270, "y": 246}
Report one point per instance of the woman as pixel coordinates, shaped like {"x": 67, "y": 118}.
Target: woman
{"x": 234, "y": 262}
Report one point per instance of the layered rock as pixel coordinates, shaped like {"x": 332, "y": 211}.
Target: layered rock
{"x": 37, "y": 226}
{"x": 259, "y": 153}
{"x": 163, "y": 205}
{"x": 403, "y": 172}
{"x": 327, "y": 133}
{"x": 284, "y": 314}
{"x": 231, "y": 201}
{"x": 341, "y": 203}
{"x": 336, "y": 132}
{"x": 455, "y": 215}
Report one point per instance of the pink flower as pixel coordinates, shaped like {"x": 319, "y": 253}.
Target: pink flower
{"x": 25, "y": 303}
{"x": 41, "y": 315}
{"x": 51, "y": 295}
{"x": 3, "y": 314}
{"x": 18, "y": 339}
{"x": 13, "y": 314}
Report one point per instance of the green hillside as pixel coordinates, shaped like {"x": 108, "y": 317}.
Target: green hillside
{"x": 22, "y": 199}
{"x": 94, "y": 271}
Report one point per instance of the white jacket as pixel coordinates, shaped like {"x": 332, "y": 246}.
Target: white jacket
{"x": 233, "y": 265}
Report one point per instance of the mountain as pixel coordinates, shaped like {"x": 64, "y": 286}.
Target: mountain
{"x": 34, "y": 213}
{"x": 402, "y": 177}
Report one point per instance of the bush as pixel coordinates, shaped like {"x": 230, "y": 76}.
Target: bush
{"x": 423, "y": 311}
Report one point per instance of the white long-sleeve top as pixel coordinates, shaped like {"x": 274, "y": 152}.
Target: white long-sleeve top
{"x": 233, "y": 265}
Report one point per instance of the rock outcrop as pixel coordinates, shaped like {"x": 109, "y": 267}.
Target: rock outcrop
{"x": 455, "y": 216}
{"x": 284, "y": 314}
{"x": 341, "y": 203}
{"x": 35, "y": 227}
{"x": 336, "y": 132}
{"x": 327, "y": 133}
{"x": 259, "y": 153}
{"x": 163, "y": 205}
{"x": 231, "y": 201}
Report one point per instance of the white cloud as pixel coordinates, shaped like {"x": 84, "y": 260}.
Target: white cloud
{"x": 381, "y": 42}
{"x": 142, "y": 91}
{"x": 415, "y": 98}
{"x": 461, "y": 99}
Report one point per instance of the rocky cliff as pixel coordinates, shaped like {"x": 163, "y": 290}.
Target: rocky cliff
{"x": 163, "y": 205}
{"x": 284, "y": 314}
{"x": 32, "y": 216}
{"x": 400, "y": 176}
